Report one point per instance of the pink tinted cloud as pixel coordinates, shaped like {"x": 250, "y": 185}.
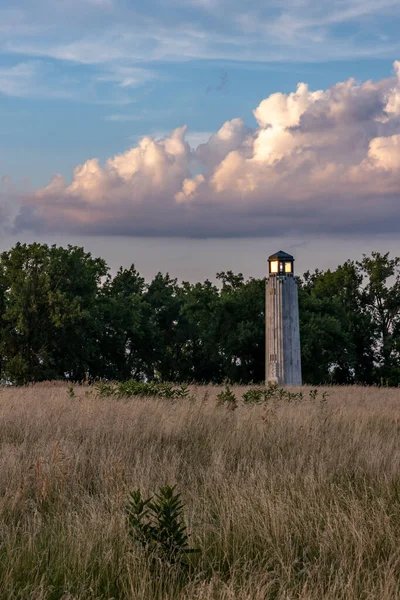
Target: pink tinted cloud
{"x": 318, "y": 160}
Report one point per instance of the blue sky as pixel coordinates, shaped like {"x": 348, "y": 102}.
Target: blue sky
{"x": 84, "y": 79}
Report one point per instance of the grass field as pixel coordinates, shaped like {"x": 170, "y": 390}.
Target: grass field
{"x": 284, "y": 500}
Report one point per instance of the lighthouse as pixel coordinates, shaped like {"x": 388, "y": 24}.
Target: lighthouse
{"x": 282, "y": 352}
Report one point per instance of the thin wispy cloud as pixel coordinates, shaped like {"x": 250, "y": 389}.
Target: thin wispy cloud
{"x": 120, "y": 118}
{"x": 128, "y": 46}
{"x": 128, "y": 77}
{"x": 39, "y": 79}
{"x": 34, "y": 79}
{"x": 142, "y": 115}
{"x": 267, "y": 31}
{"x": 18, "y": 79}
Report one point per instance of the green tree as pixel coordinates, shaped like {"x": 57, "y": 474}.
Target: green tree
{"x": 336, "y": 332}
{"x": 129, "y": 336}
{"x": 381, "y": 298}
{"x": 47, "y": 311}
{"x": 198, "y": 357}
{"x": 75, "y": 282}
{"x": 162, "y": 295}
{"x": 241, "y": 327}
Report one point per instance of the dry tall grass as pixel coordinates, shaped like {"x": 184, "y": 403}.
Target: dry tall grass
{"x": 285, "y": 501}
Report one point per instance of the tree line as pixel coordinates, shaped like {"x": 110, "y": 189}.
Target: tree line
{"x": 63, "y": 315}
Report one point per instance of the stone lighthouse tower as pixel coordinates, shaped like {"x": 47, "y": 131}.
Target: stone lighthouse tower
{"x": 282, "y": 352}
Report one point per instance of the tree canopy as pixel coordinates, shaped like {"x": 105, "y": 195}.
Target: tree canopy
{"x": 64, "y": 316}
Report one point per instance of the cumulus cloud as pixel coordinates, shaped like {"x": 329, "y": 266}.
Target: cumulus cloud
{"x": 231, "y": 136}
{"x": 325, "y": 160}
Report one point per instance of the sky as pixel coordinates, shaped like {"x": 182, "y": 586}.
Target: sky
{"x": 201, "y": 136}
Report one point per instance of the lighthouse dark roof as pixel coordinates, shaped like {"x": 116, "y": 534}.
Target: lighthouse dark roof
{"x": 281, "y": 255}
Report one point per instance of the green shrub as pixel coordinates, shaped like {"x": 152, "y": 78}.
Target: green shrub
{"x": 273, "y": 392}
{"x": 227, "y": 397}
{"x": 146, "y": 389}
{"x": 105, "y": 390}
{"x": 253, "y": 396}
{"x": 157, "y": 525}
